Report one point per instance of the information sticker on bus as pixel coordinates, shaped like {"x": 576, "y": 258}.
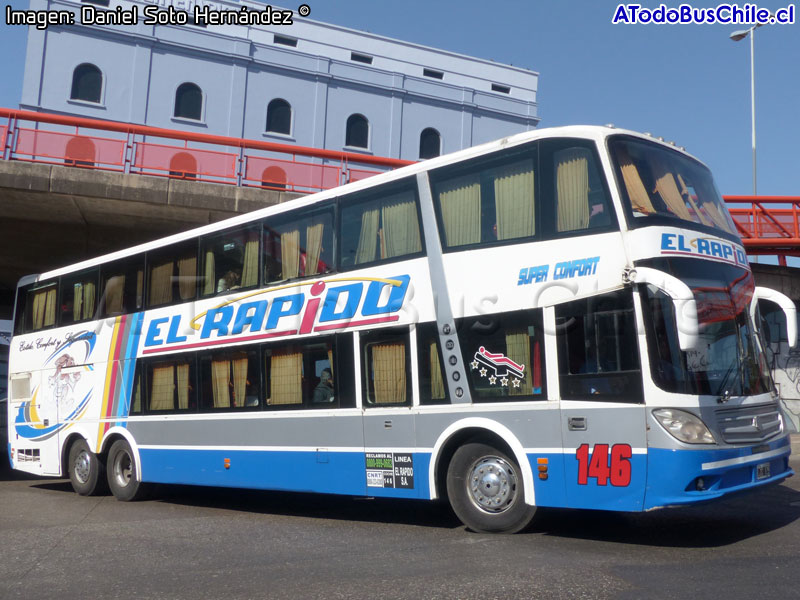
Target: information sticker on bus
{"x": 762, "y": 471}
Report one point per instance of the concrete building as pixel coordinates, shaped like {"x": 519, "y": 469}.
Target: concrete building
{"x": 309, "y": 83}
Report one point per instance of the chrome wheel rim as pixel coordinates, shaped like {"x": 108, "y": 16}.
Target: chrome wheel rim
{"x": 123, "y": 468}
{"x": 492, "y": 484}
{"x": 83, "y": 466}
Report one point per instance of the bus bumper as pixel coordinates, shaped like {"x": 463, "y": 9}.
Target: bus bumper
{"x": 681, "y": 476}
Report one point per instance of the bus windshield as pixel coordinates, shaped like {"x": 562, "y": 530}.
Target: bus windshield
{"x": 659, "y": 182}
{"x": 729, "y": 360}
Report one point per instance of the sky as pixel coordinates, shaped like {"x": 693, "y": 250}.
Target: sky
{"x": 687, "y": 83}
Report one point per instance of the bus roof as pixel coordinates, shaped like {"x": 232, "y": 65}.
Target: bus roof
{"x": 594, "y": 132}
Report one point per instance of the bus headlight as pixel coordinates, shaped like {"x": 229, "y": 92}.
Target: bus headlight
{"x": 684, "y": 426}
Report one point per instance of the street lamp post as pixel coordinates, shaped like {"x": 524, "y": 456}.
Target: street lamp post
{"x": 737, "y": 36}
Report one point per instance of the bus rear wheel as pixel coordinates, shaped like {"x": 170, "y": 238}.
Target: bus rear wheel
{"x": 86, "y": 470}
{"x": 122, "y": 478}
{"x": 486, "y": 491}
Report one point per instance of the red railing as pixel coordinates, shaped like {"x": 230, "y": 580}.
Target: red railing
{"x": 768, "y": 224}
{"x": 129, "y": 148}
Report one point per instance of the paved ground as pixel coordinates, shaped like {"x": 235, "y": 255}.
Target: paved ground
{"x": 197, "y": 543}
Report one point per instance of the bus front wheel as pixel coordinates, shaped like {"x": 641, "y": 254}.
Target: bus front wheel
{"x": 122, "y": 478}
{"x": 86, "y": 470}
{"x": 485, "y": 490}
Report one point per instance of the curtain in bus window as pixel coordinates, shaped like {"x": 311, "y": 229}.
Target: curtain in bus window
{"x": 220, "y": 382}
{"x": 518, "y": 349}
{"x": 136, "y": 406}
{"x": 187, "y": 277}
{"x": 161, "y": 284}
{"x": 239, "y": 380}
{"x": 460, "y": 201}
{"x": 250, "y": 266}
{"x": 286, "y": 379}
{"x": 640, "y": 199}
{"x": 290, "y": 254}
{"x": 183, "y": 386}
{"x": 140, "y": 288}
{"x": 401, "y": 225}
{"x": 708, "y": 197}
{"x": 114, "y": 292}
{"x": 572, "y": 188}
{"x": 668, "y": 189}
{"x": 44, "y": 308}
{"x": 704, "y": 218}
{"x": 366, "y": 240}
{"x": 210, "y": 275}
{"x": 330, "y": 361}
{"x": 162, "y": 390}
{"x": 389, "y": 373}
{"x": 514, "y": 200}
{"x": 77, "y": 302}
{"x": 313, "y": 247}
{"x": 39, "y": 300}
{"x": 89, "y": 294}
{"x": 437, "y": 381}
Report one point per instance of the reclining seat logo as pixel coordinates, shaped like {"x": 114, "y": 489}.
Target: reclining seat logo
{"x": 502, "y": 367}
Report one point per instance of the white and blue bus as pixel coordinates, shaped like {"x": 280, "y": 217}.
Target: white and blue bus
{"x": 565, "y": 317}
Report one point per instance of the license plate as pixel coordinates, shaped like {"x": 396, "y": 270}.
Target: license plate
{"x": 762, "y": 471}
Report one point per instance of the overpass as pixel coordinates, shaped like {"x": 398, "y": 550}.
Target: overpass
{"x": 73, "y": 187}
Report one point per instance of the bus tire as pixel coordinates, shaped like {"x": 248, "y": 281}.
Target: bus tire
{"x": 86, "y": 470}
{"x": 122, "y": 479}
{"x": 486, "y": 491}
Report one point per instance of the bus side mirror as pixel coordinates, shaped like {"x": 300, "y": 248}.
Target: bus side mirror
{"x": 786, "y": 304}
{"x": 682, "y": 298}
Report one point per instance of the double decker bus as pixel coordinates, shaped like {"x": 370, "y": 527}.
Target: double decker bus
{"x": 565, "y": 317}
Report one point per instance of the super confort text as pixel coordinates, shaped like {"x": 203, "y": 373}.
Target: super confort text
{"x": 152, "y": 15}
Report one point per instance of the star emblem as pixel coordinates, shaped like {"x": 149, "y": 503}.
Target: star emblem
{"x": 492, "y": 380}
{"x": 474, "y": 364}
{"x": 504, "y": 381}
{"x": 516, "y": 382}
{"x": 482, "y": 372}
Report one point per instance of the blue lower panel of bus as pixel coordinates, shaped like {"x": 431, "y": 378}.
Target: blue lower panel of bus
{"x": 689, "y": 476}
{"x": 314, "y": 471}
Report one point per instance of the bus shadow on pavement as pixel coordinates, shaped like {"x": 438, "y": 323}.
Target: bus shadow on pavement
{"x": 709, "y": 525}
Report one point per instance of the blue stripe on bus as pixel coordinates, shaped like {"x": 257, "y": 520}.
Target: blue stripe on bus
{"x": 325, "y": 472}
{"x": 673, "y": 474}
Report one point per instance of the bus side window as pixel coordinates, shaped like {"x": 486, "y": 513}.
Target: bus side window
{"x": 432, "y": 389}
{"x": 123, "y": 287}
{"x": 385, "y": 367}
{"x": 598, "y": 351}
{"x": 379, "y": 229}
{"x": 576, "y": 193}
{"x": 230, "y": 380}
{"x": 171, "y": 385}
{"x": 298, "y": 245}
{"x": 172, "y": 274}
{"x": 230, "y": 261}
{"x": 40, "y": 308}
{"x": 504, "y": 355}
{"x": 488, "y": 204}
{"x": 79, "y": 297}
{"x": 300, "y": 375}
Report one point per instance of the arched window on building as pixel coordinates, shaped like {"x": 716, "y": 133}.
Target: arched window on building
{"x": 183, "y": 166}
{"x": 189, "y": 102}
{"x": 273, "y": 178}
{"x": 279, "y": 117}
{"x": 357, "y": 135}
{"x": 87, "y": 83}
{"x": 79, "y": 152}
{"x": 430, "y": 143}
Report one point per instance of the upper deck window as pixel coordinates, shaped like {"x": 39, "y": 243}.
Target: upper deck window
{"x": 659, "y": 182}
{"x": 492, "y": 204}
{"x": 379, "y": 228}
{"x": 299, "y": 244}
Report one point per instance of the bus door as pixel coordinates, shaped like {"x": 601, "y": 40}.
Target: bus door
{"x": 602, "y": 402}
{"x": 389, "y": 425}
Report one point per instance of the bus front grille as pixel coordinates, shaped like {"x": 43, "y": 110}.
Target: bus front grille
{"x": 749, "y": 424}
